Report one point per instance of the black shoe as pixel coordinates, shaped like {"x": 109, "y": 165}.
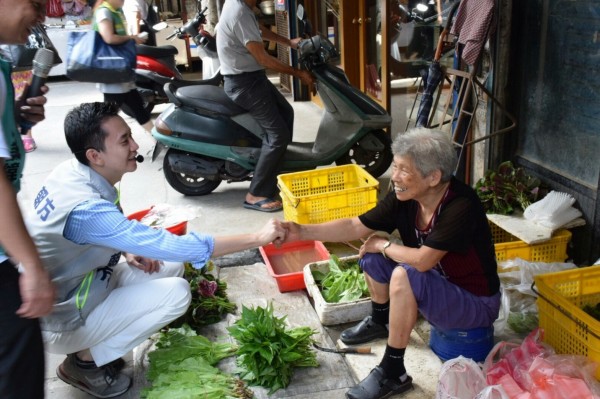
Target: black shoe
{"x": 117, "y": 364}
{"x": 378, "y": 386}
{"x": 365, "y": 331}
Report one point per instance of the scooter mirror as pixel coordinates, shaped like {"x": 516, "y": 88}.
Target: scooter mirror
{"x": 300, "y": 12}
{"x": 160, "y": 26}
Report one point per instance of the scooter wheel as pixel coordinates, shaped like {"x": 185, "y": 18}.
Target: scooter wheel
{"x": 187, "y": 184}
{"x": 375, "y": 162}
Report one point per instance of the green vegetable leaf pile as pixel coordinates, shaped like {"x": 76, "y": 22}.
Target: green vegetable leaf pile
{"x": 523, "y": 323}
{"x": 506, "y": 189}
{"x": 268, "y": 352}
{"x": 209, "y": 299}
{"x": 344, "y": 282}
{"x": 182, "y": 366}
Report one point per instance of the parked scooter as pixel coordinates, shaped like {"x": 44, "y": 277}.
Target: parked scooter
{"x": 156, "y": 66}
{"x": 211, "y": 139}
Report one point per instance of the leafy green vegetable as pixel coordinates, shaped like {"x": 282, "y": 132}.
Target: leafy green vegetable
{"x": 506, "y": 189}
{"x": 195, "y": 378}
{"x": 268, "y": 352}
{"x": 344, "y": 282}
{"x": 182, "y": 366}
{"x": 522, "y": 322}
{"x": 178, "y": 344}
{"x": 209, "y": 299}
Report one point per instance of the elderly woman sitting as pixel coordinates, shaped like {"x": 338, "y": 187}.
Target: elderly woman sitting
{"x": 445, "y": 267}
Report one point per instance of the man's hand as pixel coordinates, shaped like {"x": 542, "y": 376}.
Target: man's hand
{"x": 37, "y": 293}
{"x": 294, "y": 42}
{"x": 147, "y": 265}
{"x": 273, "y": 232}
{"x": 309, "y": 80}
{"x": 32, "y": 109}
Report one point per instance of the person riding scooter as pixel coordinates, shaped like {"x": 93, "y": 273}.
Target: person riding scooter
{"x": 211, "y": 139}
{"x": 243, "y": 62}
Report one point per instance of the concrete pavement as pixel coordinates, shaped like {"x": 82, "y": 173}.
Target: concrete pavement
{"x": 220, "y": 213}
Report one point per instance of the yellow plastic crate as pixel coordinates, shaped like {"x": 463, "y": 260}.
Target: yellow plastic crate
{"x": 567, "y": 327}
{"x": 325, "y": 194}
{"x": 508, "y": 246}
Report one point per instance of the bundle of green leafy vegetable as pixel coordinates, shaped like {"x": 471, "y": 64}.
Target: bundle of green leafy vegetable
{"x": 182, "y": 366}
{"x": 523, "y": 322}
{"x": 507, "y": 188}
{"x": 344, "y": 282}
{"x": 209, "y": 299}
{"x": 268, "y": 353}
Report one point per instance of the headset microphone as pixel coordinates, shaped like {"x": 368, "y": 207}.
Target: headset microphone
{"x": 139, "y": 159}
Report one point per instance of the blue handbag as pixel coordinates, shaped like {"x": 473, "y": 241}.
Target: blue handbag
{"x": 91, "y": 59}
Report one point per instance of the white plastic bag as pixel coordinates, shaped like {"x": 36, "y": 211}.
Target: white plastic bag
{"x": 460, "y": 378}
{"x": 492, "y": 392}
{"x": 518, "y": 311}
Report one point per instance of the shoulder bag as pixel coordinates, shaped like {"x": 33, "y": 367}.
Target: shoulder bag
{"x": 91, "y": 59}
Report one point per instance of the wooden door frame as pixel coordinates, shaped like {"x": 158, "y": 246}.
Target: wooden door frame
{"x": 352, "y": 48}
{"x": 352, "y": 38}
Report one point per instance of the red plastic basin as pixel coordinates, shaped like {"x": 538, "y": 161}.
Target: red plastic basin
{"x": 286, "y": 262}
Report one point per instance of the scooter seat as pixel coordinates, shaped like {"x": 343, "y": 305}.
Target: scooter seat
{"x": 156, "y": 51}
{"x": 211, "y": 98}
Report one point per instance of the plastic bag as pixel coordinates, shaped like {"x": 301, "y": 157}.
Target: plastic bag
{"x": 531, "y": 370}
{"x": 492, "y": 392}
{"x": 165, "y": 215}
{"x": 460, "y": 378}
{"x": 518, "y": 310}
{"x": 515, "y": 359}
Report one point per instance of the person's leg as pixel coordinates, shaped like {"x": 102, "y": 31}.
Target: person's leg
{"x": 21, "y": 347}
{"x": 276, "y": 116}
{"x": 430, "y": 290}
{"x": 377, "y": 271}
{"x": 28, "y": 142}
{"x": 390, "y": 376}
{"x": 133, "y": 100}
{"x": 140, "y": 305}
{"x": 273, "y": 112}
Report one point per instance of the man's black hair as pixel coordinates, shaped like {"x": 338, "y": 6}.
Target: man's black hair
{"x": 83, "y": 127}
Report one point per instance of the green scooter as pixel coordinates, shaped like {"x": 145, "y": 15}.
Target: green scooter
{"x": 211, "y": 139}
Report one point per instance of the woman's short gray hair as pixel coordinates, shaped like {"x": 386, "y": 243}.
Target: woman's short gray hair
{"x": 429, "y": 149}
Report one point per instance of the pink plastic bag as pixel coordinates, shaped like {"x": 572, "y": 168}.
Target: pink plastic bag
{"x": 515, "y": 359}
{"x": 531, "y": 370}
{"x": 512, "y": 389}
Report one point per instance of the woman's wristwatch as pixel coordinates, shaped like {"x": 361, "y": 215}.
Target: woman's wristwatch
{"x": 385, "y": 246}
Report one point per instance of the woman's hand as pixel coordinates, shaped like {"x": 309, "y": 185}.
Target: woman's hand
{"x": 373, "y": 244}
{"x": 147, "y": 265}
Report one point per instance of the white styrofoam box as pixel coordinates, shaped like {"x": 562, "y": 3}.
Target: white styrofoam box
{"x": 334, "y": 313}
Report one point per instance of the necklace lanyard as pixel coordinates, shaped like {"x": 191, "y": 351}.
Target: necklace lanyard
{"x": 422, "y": 234}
